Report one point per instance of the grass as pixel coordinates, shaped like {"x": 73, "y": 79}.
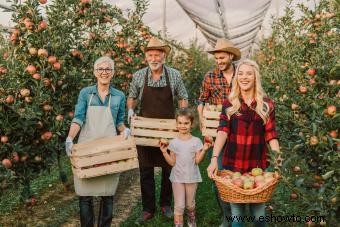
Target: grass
{"x": 206, "y": 205}
{"x": 11, "y": 198}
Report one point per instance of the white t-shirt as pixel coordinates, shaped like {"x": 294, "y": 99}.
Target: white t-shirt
{"x": 185, "y": 169}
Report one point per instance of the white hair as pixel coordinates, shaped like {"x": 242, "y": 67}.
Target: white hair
{"x": 104, "y": 59}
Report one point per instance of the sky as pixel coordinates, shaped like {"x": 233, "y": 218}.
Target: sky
{"x": 179, "y": 25}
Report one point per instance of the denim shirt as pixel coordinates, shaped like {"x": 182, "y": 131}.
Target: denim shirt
{"x": 117, "y": 104}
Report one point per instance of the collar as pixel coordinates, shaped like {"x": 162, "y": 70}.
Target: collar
{"x": 252, "y": 104}
{"x": 162, "y": 75}
{"x": 94, "y": 89}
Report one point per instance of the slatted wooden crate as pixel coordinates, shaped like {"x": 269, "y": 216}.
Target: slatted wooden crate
{"x": 104, "y": 156}
{"x": 148, "y": 131}
{"x": 211, "y": 119}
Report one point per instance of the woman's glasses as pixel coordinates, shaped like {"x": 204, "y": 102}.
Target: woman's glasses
{"x": 102, "y": 70}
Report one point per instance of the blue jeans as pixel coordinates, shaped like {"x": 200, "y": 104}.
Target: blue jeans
{"x": 238, "y": 210}
{"x": 87, "y": 213}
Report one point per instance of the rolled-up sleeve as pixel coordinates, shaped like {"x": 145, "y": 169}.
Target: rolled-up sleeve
{"x": 121, "y": 111}
{"x": 80, "y": 109}
{"x": 224, "y": 121}
{"x": 134, "y": 89}
{"x": 205, "y": 91}
{"x": 180, "y": 88}
{"x": 270, "y": 126}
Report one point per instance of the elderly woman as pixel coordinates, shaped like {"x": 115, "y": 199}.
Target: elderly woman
{"x": 99, "y": 112}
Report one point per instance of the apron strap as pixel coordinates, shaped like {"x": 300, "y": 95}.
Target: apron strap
{"x": 109, "y": 105}
{"x": 90, "y": 99}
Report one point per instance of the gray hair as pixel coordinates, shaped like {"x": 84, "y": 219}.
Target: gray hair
{"x": 104, "y": 59}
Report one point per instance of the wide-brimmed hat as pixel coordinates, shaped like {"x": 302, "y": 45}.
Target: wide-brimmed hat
{"x": 156, "y": 44}
{"x": 223, "y": 45}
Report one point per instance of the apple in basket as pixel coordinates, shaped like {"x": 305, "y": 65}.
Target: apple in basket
{"x": 236, "y": 175}
{"x": 238, "y": 182}
{"x": 163, "y": 142}
{"x": 256, "y": 172}
{"x": 248, "y": 184}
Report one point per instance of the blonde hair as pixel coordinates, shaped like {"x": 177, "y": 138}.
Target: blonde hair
{"x": 262, "y": 107}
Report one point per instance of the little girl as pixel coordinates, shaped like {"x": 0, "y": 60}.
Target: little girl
{"x": 186, "y": 152}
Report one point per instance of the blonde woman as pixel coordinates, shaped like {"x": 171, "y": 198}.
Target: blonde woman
{"x": 248, "y": 121}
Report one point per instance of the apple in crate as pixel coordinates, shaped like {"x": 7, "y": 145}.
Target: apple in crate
{"x": 163, "y": 142}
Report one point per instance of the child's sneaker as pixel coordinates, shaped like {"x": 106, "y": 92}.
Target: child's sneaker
{"x": 191, "y": 218}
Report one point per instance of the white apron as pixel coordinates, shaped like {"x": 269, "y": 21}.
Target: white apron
{"x": 99, "y": 123}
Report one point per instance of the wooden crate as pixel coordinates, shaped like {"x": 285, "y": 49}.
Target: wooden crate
{"x": 210, "y": 122}
{"x": 104, "y": 156}
{"x": 148, "y": 131}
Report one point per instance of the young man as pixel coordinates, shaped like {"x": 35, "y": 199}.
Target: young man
{"x": 215, "y": 89}
{"x": 152, "y": 92}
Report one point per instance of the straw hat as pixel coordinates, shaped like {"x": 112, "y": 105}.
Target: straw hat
{"x": 156, "y": 44}
{"x": 223, "y": 45}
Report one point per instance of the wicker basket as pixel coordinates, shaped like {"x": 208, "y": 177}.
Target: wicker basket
{"x": 233, "y": 194}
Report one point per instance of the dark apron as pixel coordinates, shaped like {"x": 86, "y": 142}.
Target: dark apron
{"x": 156, "y": 102}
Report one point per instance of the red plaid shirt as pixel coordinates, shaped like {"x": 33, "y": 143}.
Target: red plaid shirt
{"x": 215, "y": 88}
{"x": 246, "y": 146}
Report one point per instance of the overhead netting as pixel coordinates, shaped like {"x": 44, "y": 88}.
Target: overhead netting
{"x": 237, "y": 20}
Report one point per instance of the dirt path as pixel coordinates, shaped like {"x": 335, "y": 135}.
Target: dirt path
{"x": 58, "y": 206}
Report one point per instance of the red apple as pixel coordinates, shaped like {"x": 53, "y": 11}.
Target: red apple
{"x": 303, "y": 89}
{"x": 36, "y": 76}
{"x": 15, "y": 157}
{"x": 313, "y": 140}
{"x": 47, "y": 107}
{"x": 296, "y": 169}
{"x": 294, "y": 106}
{"x": 43, "y": 25}
{"x": 208, "y": 139}
{"x": 59, "y": 117}
{"x": 70, "y": 114}
{"x": 42, "y": 1}
{"x": 6, "y": 163}
{"x": 331, "y": 110}
{"x": 293, "y": 196}
{"x": 46, "y": 135}
{"x": 33, "y": 51}
{"x": 52, "y": 59}
{"x": 57, "y": 65}
{"x": 42, "y": 53}
{"x": 311, "y": 72}
{"x": 9, "y": 99}
{"x": 4, "y": 139}
{"x": 333, "y": 134}
{"x": 25, "y": 92}
{"x": 31, "y": 69}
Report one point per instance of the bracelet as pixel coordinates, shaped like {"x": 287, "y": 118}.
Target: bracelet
{"x": 214, "y": 156}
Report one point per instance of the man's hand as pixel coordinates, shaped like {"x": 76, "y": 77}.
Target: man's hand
{"x": 131, "y": 113}
{"x": 68, "y": 146}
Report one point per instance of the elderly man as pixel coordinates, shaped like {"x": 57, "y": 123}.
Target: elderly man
{"x": 215, "y": 89}
{"x": 153, "y": 90}
{"x": 99, "y": 112}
